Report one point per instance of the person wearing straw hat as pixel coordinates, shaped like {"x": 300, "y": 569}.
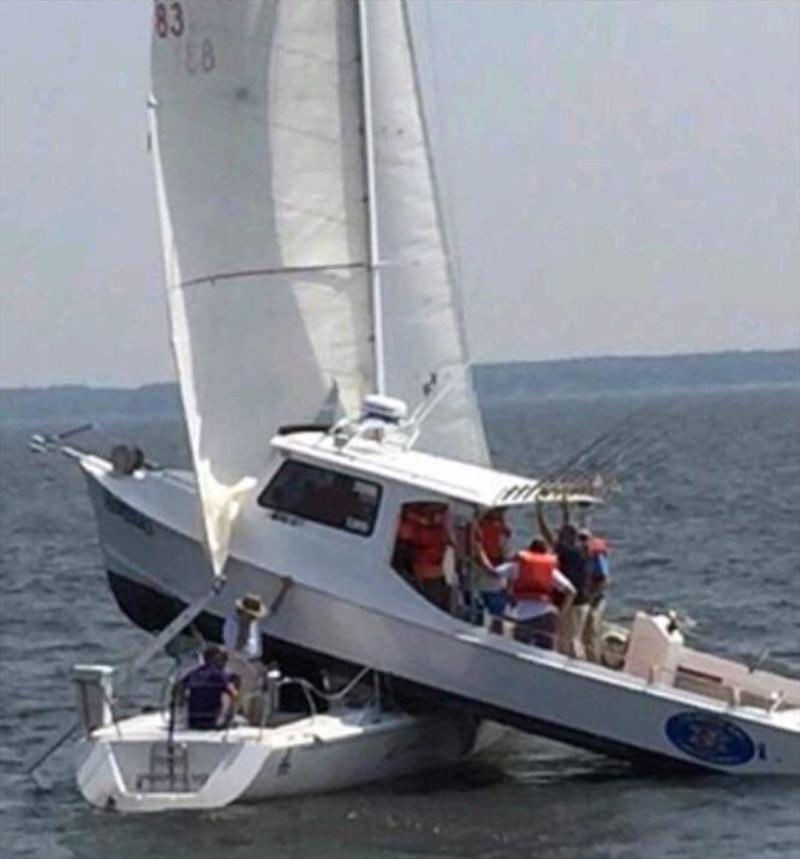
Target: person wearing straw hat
{"x": 242, "y": 638}
{"x": 241, "y": 633}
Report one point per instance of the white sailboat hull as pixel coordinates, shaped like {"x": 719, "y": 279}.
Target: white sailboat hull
{"x": 149, "y": 533}
{"x": 131, "y": 766}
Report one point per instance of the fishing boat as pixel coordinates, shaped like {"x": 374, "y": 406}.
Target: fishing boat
{"x": 317, "y": 330}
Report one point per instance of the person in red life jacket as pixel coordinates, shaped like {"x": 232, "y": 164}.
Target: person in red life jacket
{"x": 489, "y": 542}
{"x": 425, "y": 529}
{"x": 540, "y": 594}
{"x": 493, "y": 534}
{"x": 598, "y": 577}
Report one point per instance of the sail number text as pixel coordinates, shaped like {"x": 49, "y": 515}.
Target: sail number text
{"x": 169, "y": 22}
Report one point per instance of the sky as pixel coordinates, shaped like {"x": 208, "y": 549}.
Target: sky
{"x": 618, "y": 178}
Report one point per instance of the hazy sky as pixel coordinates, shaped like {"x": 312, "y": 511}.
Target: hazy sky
{"x": 621, "y": 178}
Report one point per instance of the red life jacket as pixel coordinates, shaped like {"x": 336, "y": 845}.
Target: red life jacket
{"x": 535, "y": 579}
{"x": 493, "y": 533}
{"x": 429, "y": 543}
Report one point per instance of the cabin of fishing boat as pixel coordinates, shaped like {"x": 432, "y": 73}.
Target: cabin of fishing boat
{"x": 358, "y": 491}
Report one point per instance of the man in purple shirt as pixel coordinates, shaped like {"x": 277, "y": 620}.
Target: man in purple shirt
{"x": 210, "y": 691}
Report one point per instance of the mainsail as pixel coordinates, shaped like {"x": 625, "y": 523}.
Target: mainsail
{"x": 257, "y": 126}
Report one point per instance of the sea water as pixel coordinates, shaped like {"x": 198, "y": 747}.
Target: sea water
{"x": 706, "y": 520}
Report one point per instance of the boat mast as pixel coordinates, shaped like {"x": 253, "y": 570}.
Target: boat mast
{"x": 373, "y": 266}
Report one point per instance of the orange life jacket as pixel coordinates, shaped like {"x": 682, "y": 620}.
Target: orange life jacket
{"x": 535, "y": 579}
{"x": 411, "y": 521}
{"x": 405, "y": 531}
{"x": 428, "y": 545}
{"x": 493, "y": 533}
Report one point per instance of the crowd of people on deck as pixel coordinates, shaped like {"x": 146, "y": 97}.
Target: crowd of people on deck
{"x": 553, "y": 592}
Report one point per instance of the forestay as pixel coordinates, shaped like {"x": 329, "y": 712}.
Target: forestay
{"x": 423, "y": 332}
{"x": 256, "y": 129}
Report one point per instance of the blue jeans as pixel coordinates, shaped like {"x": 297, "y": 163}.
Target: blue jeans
{"x": 495, "y": 602}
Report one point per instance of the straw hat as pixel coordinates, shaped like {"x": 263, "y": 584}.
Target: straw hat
{"x": 251, "y": 605}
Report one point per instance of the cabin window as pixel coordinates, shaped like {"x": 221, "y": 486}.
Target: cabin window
{"x": 326, "y": 497}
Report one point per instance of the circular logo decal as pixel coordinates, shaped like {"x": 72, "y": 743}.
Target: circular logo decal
{"x": 710, "y": 738}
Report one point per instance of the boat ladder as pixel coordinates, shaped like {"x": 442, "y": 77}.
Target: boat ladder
{"x": 169, "y": 770}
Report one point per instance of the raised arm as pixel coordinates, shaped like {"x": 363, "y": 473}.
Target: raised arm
{"x": 544, "y": 527}
{"x": 564, "y": 510}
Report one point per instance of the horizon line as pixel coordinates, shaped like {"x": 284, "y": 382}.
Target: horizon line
{"x": 561, "y": 360}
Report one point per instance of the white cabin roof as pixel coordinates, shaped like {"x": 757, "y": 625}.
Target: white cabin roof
{"x": 475, "y": 484}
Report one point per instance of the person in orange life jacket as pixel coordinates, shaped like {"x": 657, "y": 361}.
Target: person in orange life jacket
{"x": 427, "y": 538}
{"x": 489, "y": 551}
{"x": 572, "y": 563}
{"x": 535, "y": 584}
{"x": 598, "y": 576}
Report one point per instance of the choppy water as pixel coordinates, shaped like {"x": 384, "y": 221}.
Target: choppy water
{"x": 707, "y": 520}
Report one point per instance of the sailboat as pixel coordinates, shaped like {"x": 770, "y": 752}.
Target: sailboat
{"x": 325, "y": 380}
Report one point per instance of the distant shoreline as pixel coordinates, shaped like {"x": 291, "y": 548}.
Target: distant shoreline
{"x": 640, "y": 373}
{"x": 565, "y": 377}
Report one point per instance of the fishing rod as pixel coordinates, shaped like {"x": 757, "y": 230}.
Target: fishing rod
{"x": 624, "y": 441}
{"x": 602, "y": 477}
{"x": 609, "y": 470}
{"x": 638, "y": 446}
{"x": 615, "y": 430}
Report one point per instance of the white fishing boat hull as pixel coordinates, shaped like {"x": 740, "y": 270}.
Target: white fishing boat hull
{"x": 131, "y": 766}
{"x": 150, "y": 536}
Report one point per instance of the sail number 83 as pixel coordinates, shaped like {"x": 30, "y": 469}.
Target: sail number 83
{"x": 169, "y": 21}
